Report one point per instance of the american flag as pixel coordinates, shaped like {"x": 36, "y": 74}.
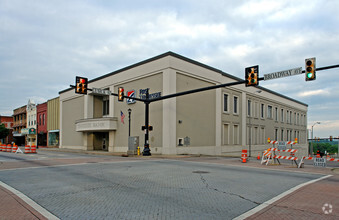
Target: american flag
{"x": 122, "y": 116}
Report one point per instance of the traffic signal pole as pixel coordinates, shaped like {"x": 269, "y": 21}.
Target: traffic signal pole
{"x": 148, "y": 101}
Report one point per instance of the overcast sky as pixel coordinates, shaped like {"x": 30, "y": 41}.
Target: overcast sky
{"x": 45, "y": 44}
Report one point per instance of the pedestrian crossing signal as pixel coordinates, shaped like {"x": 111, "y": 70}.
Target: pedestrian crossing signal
{"x": 81, "y": 85}
{"x": 252, "y": 75}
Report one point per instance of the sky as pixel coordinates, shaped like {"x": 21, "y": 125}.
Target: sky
{"x": 45, "y": 44}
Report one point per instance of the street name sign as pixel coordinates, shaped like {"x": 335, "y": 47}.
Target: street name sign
{"x": 103, "y": 92}
{"x": 284, "y": 73}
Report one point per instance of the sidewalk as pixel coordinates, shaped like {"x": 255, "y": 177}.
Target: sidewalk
{"x": 13, "y": 207}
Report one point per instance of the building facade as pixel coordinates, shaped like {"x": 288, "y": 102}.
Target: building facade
{"x": 30, "y": 130}
{"x": 53, "y": 119}
{"x": 41, "y": 110}
{"x": 215, "y": 122}
{"x": 19, "y": 116}
{"x": 8, "y": 122}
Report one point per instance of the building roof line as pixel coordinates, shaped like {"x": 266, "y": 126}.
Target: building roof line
{"x": 170, "y": 53}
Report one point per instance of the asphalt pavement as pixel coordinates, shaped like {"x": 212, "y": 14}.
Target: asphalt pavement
{"x": 69, "y": 185}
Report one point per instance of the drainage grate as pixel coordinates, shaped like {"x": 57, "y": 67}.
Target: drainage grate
{"x": 200, "y": 171}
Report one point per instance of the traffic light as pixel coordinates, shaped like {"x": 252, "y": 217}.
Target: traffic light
{"x": 81, "y": 85}
{"x": 252, "y": 75}
{"x": 310, "y": 69}
{"x": 120, "y": 94}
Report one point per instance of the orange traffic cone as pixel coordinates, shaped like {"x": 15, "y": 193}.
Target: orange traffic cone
{"x": 258, "y": 157}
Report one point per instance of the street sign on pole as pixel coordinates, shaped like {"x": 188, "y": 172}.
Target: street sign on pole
{"x": 284, "y": 73}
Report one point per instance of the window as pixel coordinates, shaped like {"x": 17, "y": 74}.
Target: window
{"x": 43, "y": 119}
{"x": 282, "y": 115}
{"x": 105, "y": 107}
{"x": 269, "y": 112}
{"x": 226, "y": 134}
{"x": 249, "y": 108}
{"x": 235, "y": 134}
{"x": 276, "y": 134}
{"x": 235, "y": 105}
{"x": 262, "y": 110}
{"x": 290, "y": 117}
{"x": 39, "y": 119}
{"x": 276, "y": 114}
{"x": 282, "y": 135}
{"x": 287, "y": 116}
{"x": 225, "y": 102}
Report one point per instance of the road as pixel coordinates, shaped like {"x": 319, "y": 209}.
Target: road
{"x": 79, "y": 186}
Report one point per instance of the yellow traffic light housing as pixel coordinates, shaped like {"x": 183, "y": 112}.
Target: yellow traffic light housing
{"x": 310, "y": 69}
{"x": 81, "y": 85}
{"x": 120, "y": 94}
{"x": 252, "y": 75}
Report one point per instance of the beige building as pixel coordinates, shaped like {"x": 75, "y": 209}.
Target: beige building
{"x": 53, "y": 121}
{"x": 216, "y": 122}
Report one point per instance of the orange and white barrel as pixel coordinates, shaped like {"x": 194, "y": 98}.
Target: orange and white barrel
{"x": 27, "y": 149}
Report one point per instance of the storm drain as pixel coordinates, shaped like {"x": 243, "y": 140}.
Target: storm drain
{"x": 200, "y": 171}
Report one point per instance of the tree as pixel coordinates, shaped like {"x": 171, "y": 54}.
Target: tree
{"x": 3, "y": 131}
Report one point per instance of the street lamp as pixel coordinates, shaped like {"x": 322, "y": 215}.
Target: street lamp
{"x": 312, "y": 135}
{"x": 129, "y": 122}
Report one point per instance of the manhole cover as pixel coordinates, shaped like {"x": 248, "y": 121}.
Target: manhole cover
{"x": 200, "y": 171}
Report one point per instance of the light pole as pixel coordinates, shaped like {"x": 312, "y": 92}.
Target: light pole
{"x": 129, "y": 122}
{"x": 312, "y": 136}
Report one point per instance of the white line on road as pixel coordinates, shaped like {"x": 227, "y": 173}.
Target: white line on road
{"x": 29, "y": 201}
{"x": 271, "y": 201}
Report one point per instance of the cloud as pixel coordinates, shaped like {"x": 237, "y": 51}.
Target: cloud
{"x": 314, "y": 93}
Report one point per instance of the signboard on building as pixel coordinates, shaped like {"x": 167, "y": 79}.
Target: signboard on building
{"x": 131, "y": 94}
{"x": 319, "y": 162}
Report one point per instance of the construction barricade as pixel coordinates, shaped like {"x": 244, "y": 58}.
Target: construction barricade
{"x": 269, "y": 154}
{"x": 301, "y": 163}
{"x": 15, "y": 148}
{"x": 33, "y": 149}
{"x": 9, "y": 148}
{"x": 244, "y": 156}
{"x": 27, "y": 149}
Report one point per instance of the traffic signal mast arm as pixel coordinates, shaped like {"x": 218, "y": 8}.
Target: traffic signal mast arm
{"x": 114, "y": 94}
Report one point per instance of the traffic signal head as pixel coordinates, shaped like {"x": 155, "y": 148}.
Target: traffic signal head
{"x": 252, "y": 75}
{"x": 81, "y": 85}
{"x": 120, "y": 94}
{"x": 310, "y": 69}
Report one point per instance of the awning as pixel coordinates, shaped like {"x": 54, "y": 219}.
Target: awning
{"x": 53, "y": 131}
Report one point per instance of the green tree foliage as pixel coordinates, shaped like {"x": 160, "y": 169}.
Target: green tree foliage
{"x": 322, "y": 147}
{"x": 3, "y": 131}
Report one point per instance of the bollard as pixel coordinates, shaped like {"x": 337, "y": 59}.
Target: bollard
{"x": 138, "y": 151}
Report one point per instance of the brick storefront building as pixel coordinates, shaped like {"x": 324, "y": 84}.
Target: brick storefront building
{"x": 42, "y": 124}
{"x": 19, "y": 116}
{"x": 8, "y": 122}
